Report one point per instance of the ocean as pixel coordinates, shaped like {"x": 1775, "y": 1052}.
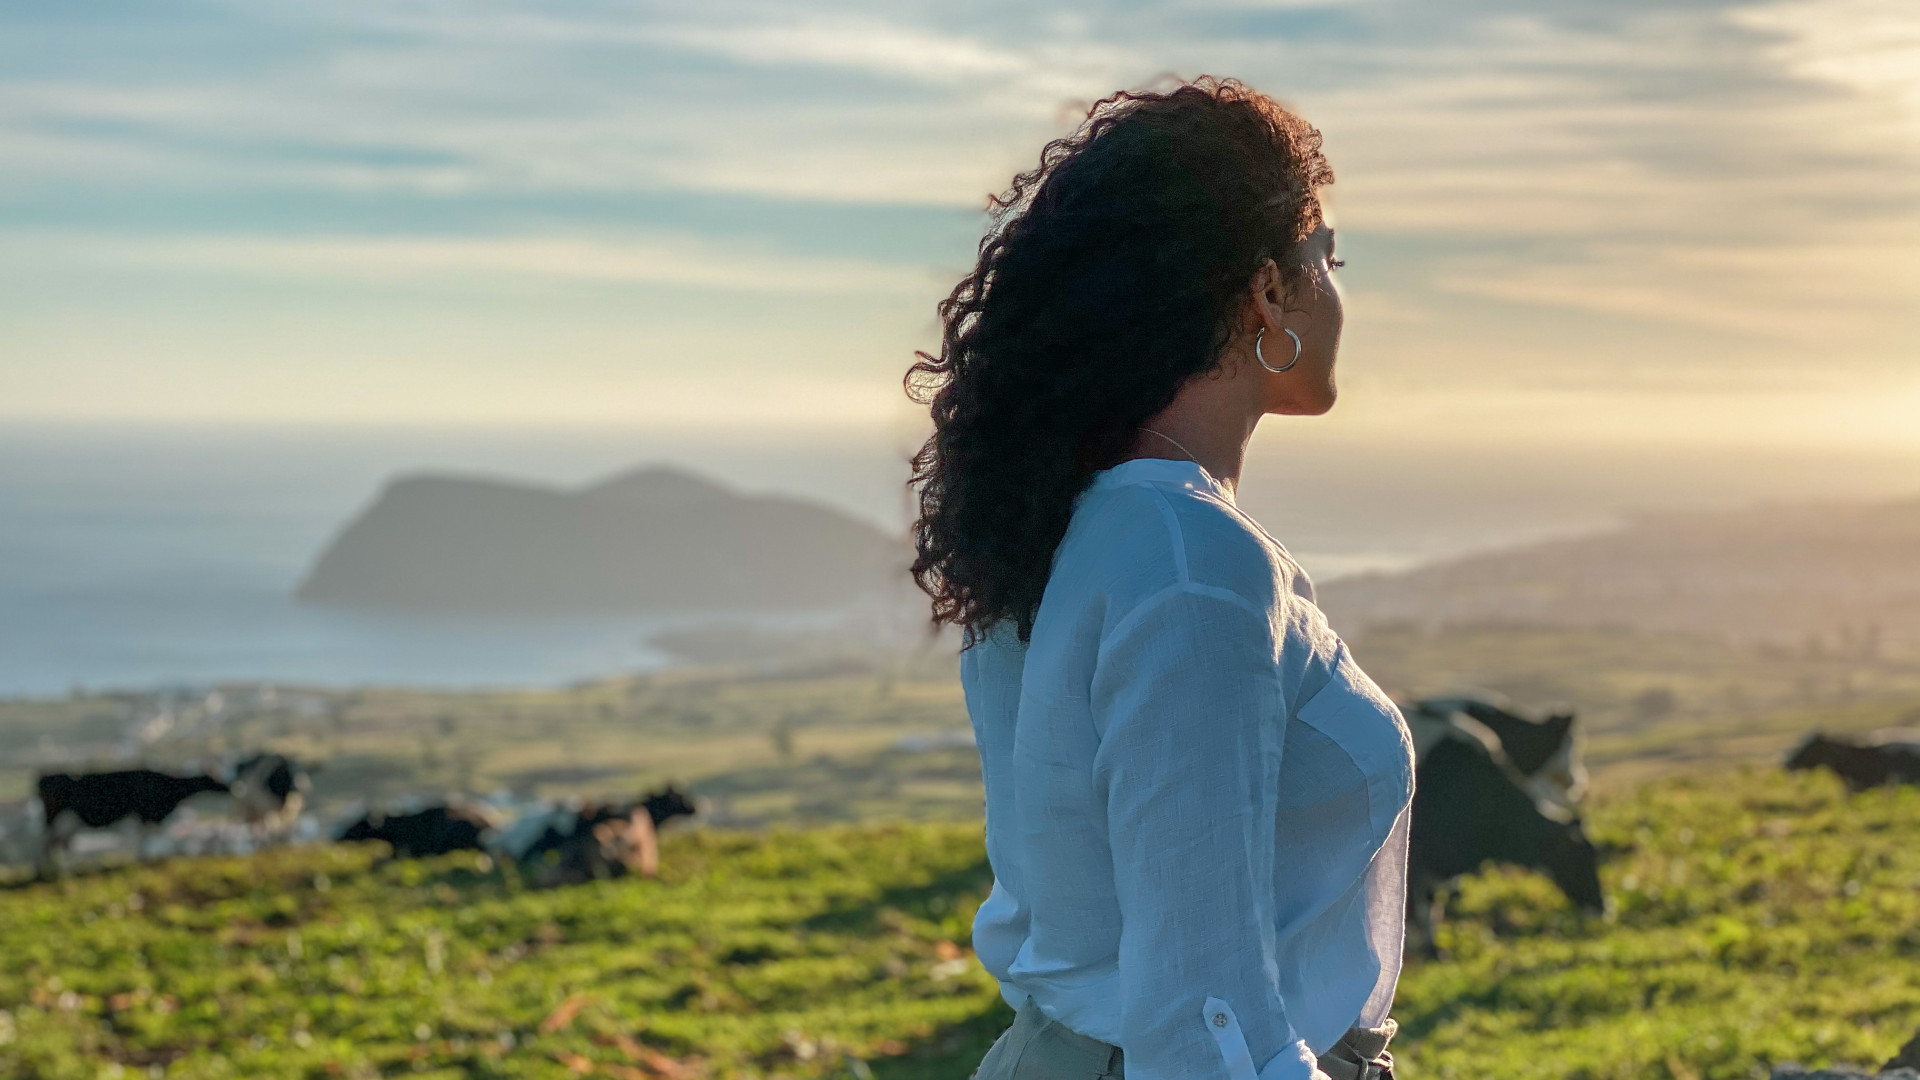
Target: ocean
{"x": 140, "y": 557}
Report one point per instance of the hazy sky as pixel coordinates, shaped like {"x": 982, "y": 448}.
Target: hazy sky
{"x": 1671, "y": 221}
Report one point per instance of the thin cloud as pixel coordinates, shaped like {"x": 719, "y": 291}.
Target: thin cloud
{"x": 1698, "y": 169}
{"x": 1869, "y": 46}
{"x": 438, "y": 261}
{"x": 1798, "y": 297}
{"x": 851, "y": 45}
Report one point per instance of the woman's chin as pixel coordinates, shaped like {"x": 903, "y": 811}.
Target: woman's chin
{"x": 1316, "y": 403}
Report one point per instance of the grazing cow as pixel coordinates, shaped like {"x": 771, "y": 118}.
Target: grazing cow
{"x": 1546, "y": 752}
{"x": 1470, "y": 808}
{"x": 97, "y": 800}
{"x": 1890, "y": 757}
{"x": 436, "y": 830}
{"x": 270, "y": 790}
{"x": 594, "y": 842}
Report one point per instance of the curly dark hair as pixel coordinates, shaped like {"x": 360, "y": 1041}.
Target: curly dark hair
{"x": 1111, "y": 276}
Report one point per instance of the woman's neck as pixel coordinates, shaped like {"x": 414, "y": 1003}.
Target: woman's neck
{"x": 1208, "y": 424}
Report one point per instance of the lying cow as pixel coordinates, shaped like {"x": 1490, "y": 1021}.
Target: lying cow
{"x": 96, "y": 800}
{"x": 599, "y": 843}
{"x": 1471, "y": 807}
{"x": 1546, "y": 752}
{"x": 1888, "y": 757}
{"x": 596, "y": 841}
{"x": 269, "y": 791}
{"x": 436, "y": 830}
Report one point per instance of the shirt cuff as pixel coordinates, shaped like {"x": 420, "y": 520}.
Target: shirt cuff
{"x": 1296, "y": 1062}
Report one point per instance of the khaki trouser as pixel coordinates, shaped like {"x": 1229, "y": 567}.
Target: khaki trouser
{"x": 1038, "y": 1048}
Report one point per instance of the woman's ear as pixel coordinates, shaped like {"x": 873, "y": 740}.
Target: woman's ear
{"x": 1271, "y": 297}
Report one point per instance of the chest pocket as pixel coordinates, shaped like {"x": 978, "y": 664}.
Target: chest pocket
{"x": 1352, "y": 714}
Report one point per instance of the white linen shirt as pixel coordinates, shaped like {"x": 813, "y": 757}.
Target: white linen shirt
{"x": 1196, "y": 801}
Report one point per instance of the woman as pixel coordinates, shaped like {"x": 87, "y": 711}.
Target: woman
{"x": 1196, "y": 802}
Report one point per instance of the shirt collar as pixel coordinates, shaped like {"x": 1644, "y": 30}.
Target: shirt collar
{"x": 1185, "y": 474}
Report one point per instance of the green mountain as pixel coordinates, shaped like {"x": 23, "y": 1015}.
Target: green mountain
{"x": 653, "y": 539}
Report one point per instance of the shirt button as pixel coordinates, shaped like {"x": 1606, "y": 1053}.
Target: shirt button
{"x": 1219, "y": 1019}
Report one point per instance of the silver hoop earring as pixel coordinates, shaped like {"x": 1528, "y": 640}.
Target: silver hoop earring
{"x": 1262, "y": 357}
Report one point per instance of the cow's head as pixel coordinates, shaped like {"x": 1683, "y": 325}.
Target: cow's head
{"x": 1815, "y": 751}
{"x": 1531, "y": 746}
{"x": 367, "y": 828}
{"x": 1573, "y": 863}
{"x": 269, "y": 775}
{"x": 1562, "y": 778}
{"x": 667, "y": 804}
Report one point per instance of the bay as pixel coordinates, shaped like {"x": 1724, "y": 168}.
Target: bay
{"x": 134, "y": 557}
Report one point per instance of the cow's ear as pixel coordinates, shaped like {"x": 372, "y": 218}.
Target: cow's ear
{"x": 1561, "y": 722}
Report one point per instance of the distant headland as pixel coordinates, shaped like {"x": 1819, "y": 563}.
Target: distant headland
{"x": 1844, "y": 576}
{"x": 652, "y": 539}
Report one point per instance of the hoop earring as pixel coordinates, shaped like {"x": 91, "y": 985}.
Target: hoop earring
{"x": 1262, "y": 357}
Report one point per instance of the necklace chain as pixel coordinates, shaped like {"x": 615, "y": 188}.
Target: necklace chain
{"x": 1174, "y": 441}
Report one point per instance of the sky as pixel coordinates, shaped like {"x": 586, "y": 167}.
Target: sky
{"x": 1685, "y": 223}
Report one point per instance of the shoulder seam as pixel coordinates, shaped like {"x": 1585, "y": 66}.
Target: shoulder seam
{"x": 1285, "y": 556}
{"x": 1233, "y": 511}
{"x": 1248, "y": 520}
{"x": 1175, "y": 533}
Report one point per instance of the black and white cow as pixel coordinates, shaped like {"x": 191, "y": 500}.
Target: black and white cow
{"x": 1471, "y": 807}
{"x": 436, "y": 830}
{"x": 1887, "y": 757}
{"x": 71, "y": 802}
{"x": 1546, "y": 752}
{"x": 269, "y": 791}
{"x": 593, "y": 841}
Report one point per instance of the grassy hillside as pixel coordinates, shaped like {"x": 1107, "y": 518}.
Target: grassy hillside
{"x": 1843, "y": 576}
{"x": 382, "y": 743}
{"x": 1650, "y": 703}
{"x": 1758, "y": 918}
{"x": 752, "y": 955}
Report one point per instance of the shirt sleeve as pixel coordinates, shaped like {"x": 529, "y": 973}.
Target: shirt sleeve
{"x": 1190, "y": 710}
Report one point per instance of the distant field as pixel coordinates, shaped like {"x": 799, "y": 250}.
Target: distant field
{"x": 1651, "y": 704}
{"x": 820, "y": 741}
{"x": 712, "y": 725}
{"x": 1757, "y": 918}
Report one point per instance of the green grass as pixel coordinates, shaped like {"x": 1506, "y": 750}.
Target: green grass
{"x": 752, "y": 955}
{"x": 1758, "y": 918}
